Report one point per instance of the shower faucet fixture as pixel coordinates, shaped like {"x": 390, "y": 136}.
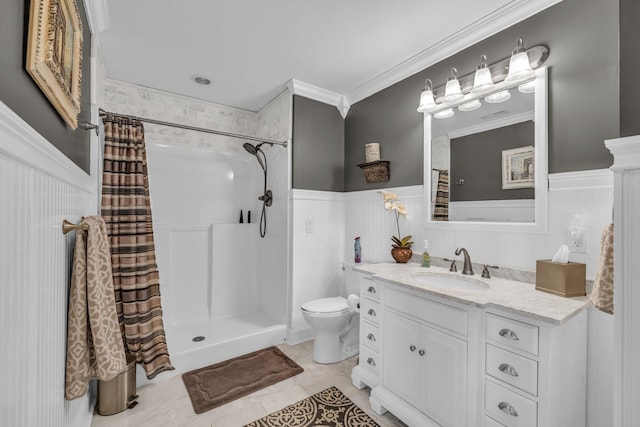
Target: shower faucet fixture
{"x": 267, "y": 195}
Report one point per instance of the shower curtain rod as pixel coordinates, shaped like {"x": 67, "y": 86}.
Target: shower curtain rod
{"x": 198, "y": 129}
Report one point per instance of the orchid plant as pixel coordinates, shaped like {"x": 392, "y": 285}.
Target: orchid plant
{"x": 392, "y": 204}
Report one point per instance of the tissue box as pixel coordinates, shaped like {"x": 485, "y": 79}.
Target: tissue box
{"x": 567, "y": 280}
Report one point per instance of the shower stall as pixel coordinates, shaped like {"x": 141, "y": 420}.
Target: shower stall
{"x": 223, "y": 286}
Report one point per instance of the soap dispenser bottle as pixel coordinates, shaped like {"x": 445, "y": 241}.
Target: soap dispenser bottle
{"x": 426, "y": 259}
{"x": 357, "y": 250}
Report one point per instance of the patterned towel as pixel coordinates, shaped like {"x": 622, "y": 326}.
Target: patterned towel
{"x": 94, "y": 341}
{"x": 602, "y": 293}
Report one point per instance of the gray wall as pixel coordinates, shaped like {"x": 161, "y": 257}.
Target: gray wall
{"x": 629, "y": 67}
{"x": 318, "y": 146}
{"x": 584, "y": 100}
{"x": 20, "y": 93}
{"x": 477, "y": 159}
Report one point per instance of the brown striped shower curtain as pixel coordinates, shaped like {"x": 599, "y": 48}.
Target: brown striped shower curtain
{"x": 126, "y": 209}
{"x": 441, "y": 205}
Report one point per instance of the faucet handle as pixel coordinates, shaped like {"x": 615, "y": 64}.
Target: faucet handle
{"x": 485, "y": 270}
{"x": 453, "y": 267}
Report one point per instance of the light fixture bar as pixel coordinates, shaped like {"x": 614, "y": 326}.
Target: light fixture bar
{"x": 537, "y": 57}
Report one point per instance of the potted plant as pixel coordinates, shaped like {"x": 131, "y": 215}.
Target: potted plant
{"x": 401, "y": 248}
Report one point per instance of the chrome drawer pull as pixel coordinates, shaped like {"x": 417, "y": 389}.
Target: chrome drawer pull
{"x": 371, "y": 337}
{"x": 371, "y": 290}
{"x": 508, "y": 369}
{"x": 421, "y": 352}
{"x": 371, "y": 362}
{"x": 412, "y": 347}
{"x": 371, "y": 312}
{"x": 508, "y": 333}
{"x": 507, "y": 409}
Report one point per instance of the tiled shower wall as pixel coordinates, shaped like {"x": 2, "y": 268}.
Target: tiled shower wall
{"x": 39, "y": 187}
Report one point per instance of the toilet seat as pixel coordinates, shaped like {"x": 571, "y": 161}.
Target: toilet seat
{"x": 326, "y": 306}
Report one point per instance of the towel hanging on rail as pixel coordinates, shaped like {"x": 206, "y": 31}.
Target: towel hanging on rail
{"x": 94, "y": 341}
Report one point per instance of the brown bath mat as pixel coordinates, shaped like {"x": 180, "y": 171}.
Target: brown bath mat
{"x": 215, "y": 385}
{"x": 328, "y": 408}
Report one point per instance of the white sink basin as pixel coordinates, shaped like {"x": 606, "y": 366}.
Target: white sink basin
{"x": 449, "y": 282}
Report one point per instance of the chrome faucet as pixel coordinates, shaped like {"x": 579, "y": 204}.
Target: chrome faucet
{"x": 467, "y": 268}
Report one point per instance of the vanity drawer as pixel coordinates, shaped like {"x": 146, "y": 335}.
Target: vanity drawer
{"x": 513, "y": 369}
{"x": 445, "y": 316}
{"x": 369, "y": 288}
{"x": 512, "y": 333}
{"x": 369, "y": 360}
{"x": 370, "y": 335}
{"x": 508, "y": 407}
{"x": 370, "y": 310}
{"x": 490, "y": 422}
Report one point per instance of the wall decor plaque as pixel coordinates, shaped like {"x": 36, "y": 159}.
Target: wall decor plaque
{"x": 54, "y": 54}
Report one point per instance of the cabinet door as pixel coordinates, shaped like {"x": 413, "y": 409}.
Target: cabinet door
{"x": 401, "y": 366}
{"x": 445, "y": 378}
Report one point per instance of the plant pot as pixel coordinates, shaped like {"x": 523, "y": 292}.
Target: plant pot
{"x": 401, "y": 254}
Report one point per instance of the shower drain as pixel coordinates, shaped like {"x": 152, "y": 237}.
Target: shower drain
{"x": 198, "y": 338}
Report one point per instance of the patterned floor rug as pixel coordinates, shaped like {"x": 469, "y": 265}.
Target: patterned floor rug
{"x": 329, "y": 408}
{"x": 215, "y": 385}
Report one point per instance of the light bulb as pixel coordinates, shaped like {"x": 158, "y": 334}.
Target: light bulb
{"x": 498, "y": 97}
{"x": 519, "y": 66}
{"x": 427, "y": 103}
{"x": 528, "y": 87}
{"x": 452, "y": 92}
{"x": 470, "y": 106}
{"x": 482, "y": 80}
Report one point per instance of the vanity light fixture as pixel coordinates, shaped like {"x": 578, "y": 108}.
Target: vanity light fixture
{"x": 498, "y": 97}
{"x": 452, "y": 91}
{"x": 482, "y": 81}
{"x": 427, "y": 102}
{"x": 470, "y": 106}
{"x": 444, "y": 114}
{"x": 519, "y": 65}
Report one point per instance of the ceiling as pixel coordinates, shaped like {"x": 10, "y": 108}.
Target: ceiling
{"x": 250, "y": 49}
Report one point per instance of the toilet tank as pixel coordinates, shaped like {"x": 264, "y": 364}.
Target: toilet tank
{"x": 351, "y": 279}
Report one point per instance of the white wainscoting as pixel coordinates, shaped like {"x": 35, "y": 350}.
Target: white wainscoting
{"x": 493, "y": 210}
{"x": 39, "y": 187}
{"x": 317, "y": 253}
{"x": 366, "y": 217}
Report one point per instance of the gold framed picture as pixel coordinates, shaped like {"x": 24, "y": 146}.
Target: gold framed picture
{"x": 54, "y": 54}
{"x": 518, "y": 168}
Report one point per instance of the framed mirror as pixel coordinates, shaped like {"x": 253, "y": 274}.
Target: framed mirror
{"x": 486, "y": 169}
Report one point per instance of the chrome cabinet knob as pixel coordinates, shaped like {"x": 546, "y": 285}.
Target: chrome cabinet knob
{"x": 508, "y": 369}
{"x": 371, "y": 362}
{"x": 412, "y": 347}
{"x": 421, "y": 352}
{"x": 371, "y": 290}
{"x": 371, "y": 312}
{"x": 508, "y": 333}
{"x": 371, "y": 337}
{"x": 507, "y": 409}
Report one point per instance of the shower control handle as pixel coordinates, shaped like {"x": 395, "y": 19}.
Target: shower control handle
{"x": 267, "y": 198}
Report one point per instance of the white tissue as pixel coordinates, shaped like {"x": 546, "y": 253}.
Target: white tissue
{"x": 353, "y": 301}
{"x": 561, "y": 255}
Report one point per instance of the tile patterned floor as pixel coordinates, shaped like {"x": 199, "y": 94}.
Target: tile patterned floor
{"x": 166, "y": 403}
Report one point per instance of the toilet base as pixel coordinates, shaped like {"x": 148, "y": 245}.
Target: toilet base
{"x": 329, "y": 348}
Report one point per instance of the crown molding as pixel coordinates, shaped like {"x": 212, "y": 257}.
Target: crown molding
{"x": 515, "y": 11}
{"x": 296, "y": 87}
{"x": 97, "y": 15}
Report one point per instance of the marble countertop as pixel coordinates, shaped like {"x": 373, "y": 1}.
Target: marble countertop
{"x": 508, "y": 295}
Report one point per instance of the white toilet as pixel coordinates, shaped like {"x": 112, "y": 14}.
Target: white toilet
{"x": 335, "y": 323}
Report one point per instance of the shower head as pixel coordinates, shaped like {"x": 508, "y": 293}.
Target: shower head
{"x": 256, "y": 151}
{"x": 251, "y": 149}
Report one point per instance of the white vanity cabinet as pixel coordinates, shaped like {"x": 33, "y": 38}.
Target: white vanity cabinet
{"x": 366, "y": 372}
{"x": 425, "y": 363}
{"x": 535, "y": 372}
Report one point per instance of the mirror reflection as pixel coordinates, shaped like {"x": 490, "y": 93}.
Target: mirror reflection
{"x": 482, "y": 161}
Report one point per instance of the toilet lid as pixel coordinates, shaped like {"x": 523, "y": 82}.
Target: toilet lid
{"x": 326, "y": 305}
